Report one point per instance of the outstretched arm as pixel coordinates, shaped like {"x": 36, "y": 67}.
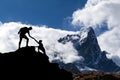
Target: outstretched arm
{"x": 34, "y": 39}
{"x": 19, "y": 32}
{"x": 29, "y": 34}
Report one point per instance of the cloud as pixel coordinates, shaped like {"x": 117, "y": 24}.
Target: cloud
{"x": 110, "y": 41}
{"x": 96, "y": 13}
{"x": 9, "y": 39}
{"x": 116, "y": 59}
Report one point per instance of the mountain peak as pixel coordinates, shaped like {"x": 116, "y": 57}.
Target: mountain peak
{"x": 86, "y": 44}
{"x": 88, "y": 29}
{"x": 87, "y": 34}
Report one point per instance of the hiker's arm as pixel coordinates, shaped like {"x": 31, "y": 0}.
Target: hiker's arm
{"x": 32, "y": 37}
{"x": 35, "y": 40}
{"x": 19, "y": 32}
{"x": 43, "y": 49}
{"x": 29, "y": 34}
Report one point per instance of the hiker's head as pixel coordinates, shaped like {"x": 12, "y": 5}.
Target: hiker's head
{"x": 30, "y": 28}
{"x": 40, "y": 41}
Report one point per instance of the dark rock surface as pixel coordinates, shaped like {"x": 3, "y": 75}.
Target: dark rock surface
{"x": 26, "y": 63}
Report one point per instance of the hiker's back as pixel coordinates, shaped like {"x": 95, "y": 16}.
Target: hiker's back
{"x": 24, "y": 30}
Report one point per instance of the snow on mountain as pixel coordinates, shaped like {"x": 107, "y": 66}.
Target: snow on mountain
{"x": 87, "y": 46}
{"x": 87, "y": 69}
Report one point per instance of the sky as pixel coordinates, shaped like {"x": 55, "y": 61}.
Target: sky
{"x": 53, "y": 13}
{"x": 61, "y": 17}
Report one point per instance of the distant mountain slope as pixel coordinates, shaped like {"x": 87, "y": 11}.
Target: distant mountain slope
{"x": 87, "y": 46}
{"x": 26, "y": 63}
{"x": 97, "y": 76}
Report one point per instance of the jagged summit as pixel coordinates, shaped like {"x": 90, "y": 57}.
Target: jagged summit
{"x": 86, "y": 44}
{"x": 26, "y": 63}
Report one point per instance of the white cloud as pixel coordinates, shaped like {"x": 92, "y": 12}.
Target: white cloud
{"x": 116, "y": 59}
{"x": 101, "y": 11}
{"x": 95, "y": 14}
{"x": 110, "y": 41}
{"x": 9, "y": 39}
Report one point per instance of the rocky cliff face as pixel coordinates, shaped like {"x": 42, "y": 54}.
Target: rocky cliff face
{"x": 26, "y": 63}
{"x": 87, "y": 46}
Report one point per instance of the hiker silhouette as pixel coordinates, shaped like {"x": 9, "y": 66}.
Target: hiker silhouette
{"x": 22, "y": 32}
{"x": 40, "y": 47}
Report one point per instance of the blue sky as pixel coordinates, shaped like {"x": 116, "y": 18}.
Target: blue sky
{"x": 53, "y": 13}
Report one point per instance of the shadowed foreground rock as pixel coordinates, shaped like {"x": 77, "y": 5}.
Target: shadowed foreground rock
{"x": 26, "y": 63}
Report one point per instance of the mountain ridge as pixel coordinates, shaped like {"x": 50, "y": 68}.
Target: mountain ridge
{"x": 87, "y": 46}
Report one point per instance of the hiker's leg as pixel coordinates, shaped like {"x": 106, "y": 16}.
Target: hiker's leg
{"x": 20, "y": 41}
{"x": 27, "y": 40}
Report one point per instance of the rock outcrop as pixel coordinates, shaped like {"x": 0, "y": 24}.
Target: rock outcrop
{"x": 26, "y": 63}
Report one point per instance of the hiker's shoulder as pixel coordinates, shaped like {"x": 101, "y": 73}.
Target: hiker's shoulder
{"x": 23, "y": 28}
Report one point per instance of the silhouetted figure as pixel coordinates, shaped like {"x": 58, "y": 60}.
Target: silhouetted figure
{"x": 22, "y": 33}
{"x": 40, "y": 47}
